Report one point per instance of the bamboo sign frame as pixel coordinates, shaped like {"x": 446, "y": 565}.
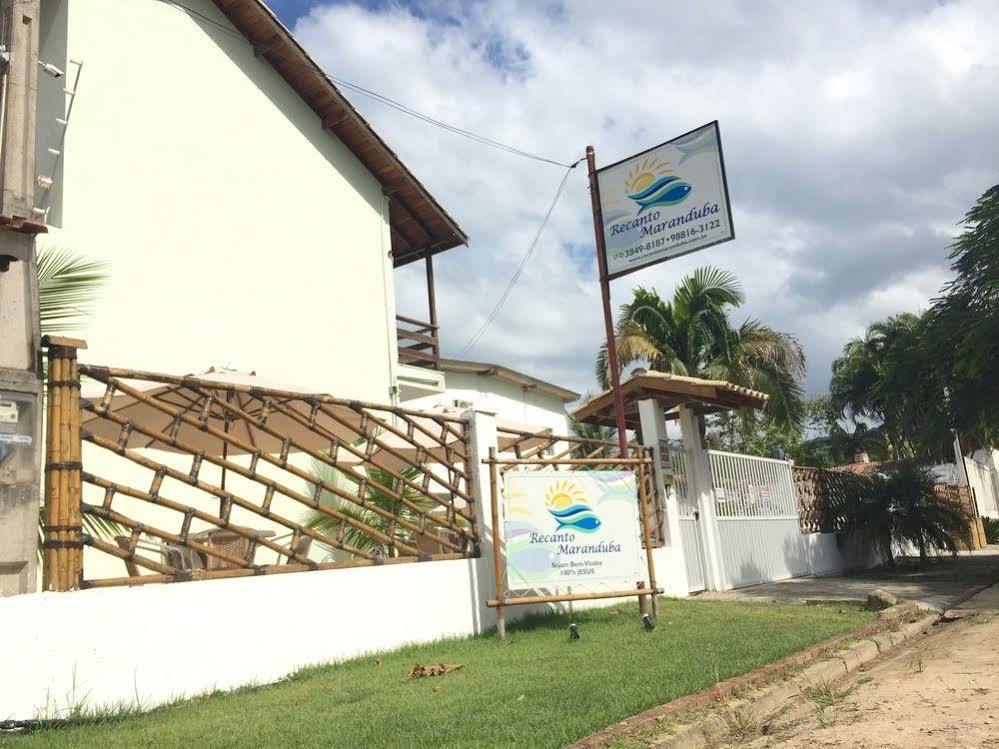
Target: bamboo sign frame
{"x": 412, "y": 497}
{"x": 527, "y": 445}
{"x": 642, "y": 466}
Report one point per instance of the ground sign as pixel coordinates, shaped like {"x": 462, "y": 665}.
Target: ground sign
{"x": 665, "y": 202}
{"x": 577, "y": 528}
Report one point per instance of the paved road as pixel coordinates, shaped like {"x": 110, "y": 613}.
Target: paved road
{"x": 941, "y": 584}
{"x": 941, "y": 690}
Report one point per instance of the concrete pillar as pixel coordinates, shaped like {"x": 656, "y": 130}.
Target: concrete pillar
{"x": 700, "y": 487}
{"x": 671, "y": 569}
{"x": 483, "y": 426}
{"x": 20, "y": 414}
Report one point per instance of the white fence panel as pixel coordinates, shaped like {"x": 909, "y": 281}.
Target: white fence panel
{"x": 983, "y": 483}
{"x": 757, "y": 510}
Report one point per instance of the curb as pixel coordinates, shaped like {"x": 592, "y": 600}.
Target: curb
{"x": 715, "y": 726}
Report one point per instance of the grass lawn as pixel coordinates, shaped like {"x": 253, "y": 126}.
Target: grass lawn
{"x": 537, "y": 688}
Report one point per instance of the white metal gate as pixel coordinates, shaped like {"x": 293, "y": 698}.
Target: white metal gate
{"x": 690, "y": 525}
{"x": 759, "y": 530}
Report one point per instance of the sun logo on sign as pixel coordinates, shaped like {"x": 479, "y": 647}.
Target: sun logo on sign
{"x": 566, "y": 502}
{"x": 650, "y": 184}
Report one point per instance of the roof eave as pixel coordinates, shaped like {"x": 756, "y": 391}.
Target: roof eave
{"x": 419, "y": 224}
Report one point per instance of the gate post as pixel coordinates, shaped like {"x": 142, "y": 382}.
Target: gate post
{"x": 673, "y": 570}
{"x": 63, "y": 466}
{"x": 700, "y": 486}
{"x": 483, "y": 427}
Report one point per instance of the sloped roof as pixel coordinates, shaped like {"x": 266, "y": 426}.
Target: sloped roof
{"x": 419, "y": 224}
{"x": 706, "y": 396}
{"x": 509, "y": 375}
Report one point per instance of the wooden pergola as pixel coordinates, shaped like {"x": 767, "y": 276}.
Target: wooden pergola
{"x": 704, "y": 396}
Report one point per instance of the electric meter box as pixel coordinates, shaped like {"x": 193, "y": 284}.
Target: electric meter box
{"x": 20, "y": 490}
{"x": 21, "y": 449}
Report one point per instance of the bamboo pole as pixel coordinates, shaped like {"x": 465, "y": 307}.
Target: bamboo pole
{"x": 75, "y": 477}
{"x": 574, "y": 462}
{"x": 268, "y": 570}
{"x": 497, "y": 541}
{"x": 520, "y": 600}
{"x": 63, "y": 532}
{"x": 52, "y": 458}
{"x": 105, "y": 374}
{"x": 646, "y": 537}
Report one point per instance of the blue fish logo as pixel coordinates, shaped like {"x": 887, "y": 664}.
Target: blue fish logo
{"x": 663, "y": 192}
{"x": 577, "y": 517}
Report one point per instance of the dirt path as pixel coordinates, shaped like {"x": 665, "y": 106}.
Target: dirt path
{"x": 940, "y": 691}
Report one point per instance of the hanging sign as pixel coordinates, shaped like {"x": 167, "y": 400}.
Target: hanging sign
{"x": 566, "y": 527}
{"x": 665, "y": 202}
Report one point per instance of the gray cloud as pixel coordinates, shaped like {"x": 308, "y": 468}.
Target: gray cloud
{"x": 856, "y": 135}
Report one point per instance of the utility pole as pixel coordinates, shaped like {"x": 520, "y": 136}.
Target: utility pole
{"x": 20, "y": 336}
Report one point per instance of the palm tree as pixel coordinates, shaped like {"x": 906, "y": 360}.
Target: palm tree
{"x": 887, "y": 377}
{"x": 691, "y": 335}
{"x": 592, "y": 434}
{"x": 352, "y": 535}
{"x": 902, "y": 506}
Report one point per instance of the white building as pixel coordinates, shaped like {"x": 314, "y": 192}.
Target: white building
{"x": 249, "y": 215}
{"x": 511, "y": 395}
{"x": 250, "y": 218}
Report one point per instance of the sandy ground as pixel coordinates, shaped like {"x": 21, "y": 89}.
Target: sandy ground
{"x": 941, "y": 690}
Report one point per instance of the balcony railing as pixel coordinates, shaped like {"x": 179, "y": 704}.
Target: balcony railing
{"x": 419, "y": 344}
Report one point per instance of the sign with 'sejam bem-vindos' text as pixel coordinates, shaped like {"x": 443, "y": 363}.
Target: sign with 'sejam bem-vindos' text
{"x": 665, "y": 202}
{"x": 571, "y": 527}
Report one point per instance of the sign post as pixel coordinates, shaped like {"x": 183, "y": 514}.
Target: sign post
{"x": 668, "y": 201}
{"x": 612, "y": 360}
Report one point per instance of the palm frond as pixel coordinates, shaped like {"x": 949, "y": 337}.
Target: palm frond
{"x": 68, "y": 284}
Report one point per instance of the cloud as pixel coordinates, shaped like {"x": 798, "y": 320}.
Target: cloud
{"x": 856, "y": 135}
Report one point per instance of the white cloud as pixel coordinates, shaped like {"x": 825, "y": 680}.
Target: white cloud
{"x": 854, "y": 133}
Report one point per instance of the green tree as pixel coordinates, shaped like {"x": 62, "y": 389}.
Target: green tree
{"x": 691, "y": 334}
{"x": 964, "y": 324}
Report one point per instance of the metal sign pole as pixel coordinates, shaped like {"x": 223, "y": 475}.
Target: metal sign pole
{"x": 615, "y": 373}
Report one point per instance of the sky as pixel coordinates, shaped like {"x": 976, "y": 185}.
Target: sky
{"x": 856, "y": 136}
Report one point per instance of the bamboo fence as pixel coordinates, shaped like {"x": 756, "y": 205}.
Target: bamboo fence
{"x": 393, "y": 485}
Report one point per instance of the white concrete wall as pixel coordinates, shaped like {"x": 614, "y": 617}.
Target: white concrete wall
{"x": 238, "y": 231}
{"x": 506, "y": 399}
{"x": 60, "y": 648}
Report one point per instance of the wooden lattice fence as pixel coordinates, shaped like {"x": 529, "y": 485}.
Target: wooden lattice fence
{"x": 387, "y": 485}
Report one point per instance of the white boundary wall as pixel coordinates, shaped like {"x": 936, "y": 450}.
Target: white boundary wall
{"x": 151, "y": 644}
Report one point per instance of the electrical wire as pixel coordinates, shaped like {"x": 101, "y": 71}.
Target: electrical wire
{"x": 477, "y": 336}
{"x": 381, "y": 98}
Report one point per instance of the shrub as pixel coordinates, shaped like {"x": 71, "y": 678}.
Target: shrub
{"x": 991, "y": 526}
{"x": 901, "y": 506}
